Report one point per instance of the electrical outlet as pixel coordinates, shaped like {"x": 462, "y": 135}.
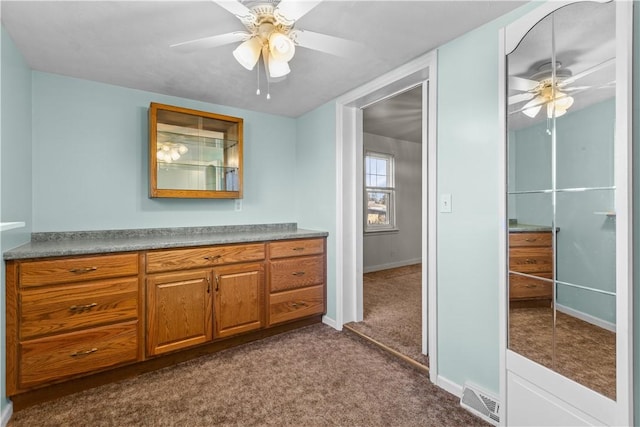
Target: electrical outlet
{"x": 445, "y": 203}
{"x": 238, "y": 205}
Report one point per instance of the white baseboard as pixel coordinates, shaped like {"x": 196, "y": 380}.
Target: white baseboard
{"x": 331, "y": 322}
{"x": 450, "y": 386}
{"x": 586, "y": 317}
{"x": 372, "y": 268}
{"x": 6, "y": 414}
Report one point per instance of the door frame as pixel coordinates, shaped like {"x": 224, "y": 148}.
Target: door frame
{"x": 349, "y": 197}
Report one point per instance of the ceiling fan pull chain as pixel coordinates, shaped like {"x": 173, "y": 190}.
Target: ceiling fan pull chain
{"x": 258, "y": 90}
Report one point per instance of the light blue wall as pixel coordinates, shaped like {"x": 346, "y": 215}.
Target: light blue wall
{"x": 469, "y": 147}
{"x": 90, "y": 145}
{"x": 15, "y": 173}
{"x": 316, "y": 184}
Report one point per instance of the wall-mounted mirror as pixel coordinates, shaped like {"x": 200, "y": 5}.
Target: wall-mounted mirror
{"x": 194, "y": 154}
{"x": 561, "y": 121}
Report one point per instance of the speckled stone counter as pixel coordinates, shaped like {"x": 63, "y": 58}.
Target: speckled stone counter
{"x": 527, "y": 228}
{"x": 109, "y": 241}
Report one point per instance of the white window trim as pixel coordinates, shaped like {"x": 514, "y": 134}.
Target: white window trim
{"x": 390, "y": 189}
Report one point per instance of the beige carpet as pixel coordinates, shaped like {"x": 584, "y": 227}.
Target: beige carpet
{"x": 392, "y": 303}
{"x": 314, "y": 376}
{"x": 583, "y": 352}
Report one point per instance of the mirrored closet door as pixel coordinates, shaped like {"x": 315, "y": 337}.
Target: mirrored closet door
{"x": 568, "y": 175}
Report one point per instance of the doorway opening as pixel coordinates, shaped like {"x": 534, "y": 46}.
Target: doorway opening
{"x": 392, "y": 225}
{"x": 350, "y": 198}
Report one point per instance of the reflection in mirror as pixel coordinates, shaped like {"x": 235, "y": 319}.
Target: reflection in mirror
{"x": 561, "y": 194}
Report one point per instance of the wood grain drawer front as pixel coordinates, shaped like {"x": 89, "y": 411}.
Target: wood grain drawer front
{"x": 521, "y": 287}
{"x": 291, "y": 248}
{"x": 58, "y": 309}
{"x": 180, "y": 259}
{"x": 40, "y": 273}
{"x": 530, "y": 239}
{"x": 296, "y": 304}
{"x": 66, "y": 355}
{"x": 531, "y": 260}
{"x": 296, "y": 273}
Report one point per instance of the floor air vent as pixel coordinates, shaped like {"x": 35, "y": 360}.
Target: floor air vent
{"x": 480, "y": 403}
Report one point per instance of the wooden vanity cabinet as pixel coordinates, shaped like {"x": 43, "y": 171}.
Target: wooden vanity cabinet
{"x": 297, "y": 277}
{"x": 530, "y": 253}
{"x": 188, "y": 306}
{"x": 70, "y": 316}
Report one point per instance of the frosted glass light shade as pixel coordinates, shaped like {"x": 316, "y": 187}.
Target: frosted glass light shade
{"x": 248, "y": 53}
{"x": 281, "y": 47}
{"x": 278, "y": 68}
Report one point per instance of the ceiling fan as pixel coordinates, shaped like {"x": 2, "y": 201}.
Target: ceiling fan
{"x": 546, "y": 87}
{"x": 271, "y": 33}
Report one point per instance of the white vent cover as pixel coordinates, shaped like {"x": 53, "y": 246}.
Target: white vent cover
{"x": 480, "y": 403}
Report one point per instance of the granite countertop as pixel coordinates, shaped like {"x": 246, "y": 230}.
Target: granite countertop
{"x": 108, "y": 241}
{"x": 527, "y": 228}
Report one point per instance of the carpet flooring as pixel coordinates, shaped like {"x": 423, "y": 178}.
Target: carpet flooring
{"x": 392, "y": 303}
{"x": 313, "y": 376}
{"x": 583, "y": 352}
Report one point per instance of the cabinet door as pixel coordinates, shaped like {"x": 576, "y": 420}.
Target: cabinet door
{"x": 238, "y": 299}
{"x": 179, "y": 311}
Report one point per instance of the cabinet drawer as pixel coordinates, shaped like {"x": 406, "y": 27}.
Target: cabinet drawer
{"x": 295, "y": 304}
{"x": 59, "y": 309}
{"x": 291, "y": 248}
{"x": 529, "y": 239}
{"x": 65, "y": 355}
{"x": 296, "y": 273}
{"x": 39, "y": 273}
{"x": 521, "y": 287}
{"x": 531, "y": 260}
{"x": 179, "y": 259}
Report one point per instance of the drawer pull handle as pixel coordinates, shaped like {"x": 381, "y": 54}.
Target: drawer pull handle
{"x": 298, "y": 273}
{"x": 530, "y": 261}
{"x": 298, "y": 304}
{"x": 530, "y": 240}
{"x": 83, "y": 353}
{"x": 82, "y": 308}
{"x": 298, "y": 249}
{"x": 82, "y": 270}
{"x": 213, "y": 258}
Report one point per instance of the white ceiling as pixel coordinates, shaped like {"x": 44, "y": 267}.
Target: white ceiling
{"x": 126, "y": 43}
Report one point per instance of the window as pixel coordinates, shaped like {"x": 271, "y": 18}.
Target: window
{"x": 379, "y": 192}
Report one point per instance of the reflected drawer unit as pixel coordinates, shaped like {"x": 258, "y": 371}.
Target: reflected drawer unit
{"x": 530, "y": 253}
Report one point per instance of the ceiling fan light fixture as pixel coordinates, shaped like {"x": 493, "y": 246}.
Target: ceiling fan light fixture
{"x": 281, "y": 47}
{"x": 248, "y": 53}
{"x": 278, "y": 68}
{"x": 533, "y": 107}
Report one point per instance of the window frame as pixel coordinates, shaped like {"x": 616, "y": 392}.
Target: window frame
{"x": 389, "y": 189}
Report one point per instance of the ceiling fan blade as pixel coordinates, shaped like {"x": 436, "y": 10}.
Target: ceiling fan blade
{"x": 234, "y": 7}
{"x": 327, "y": 44}
{"x": 210, "y": 42}
{"x": 575, "y": 88}
{"x": 522, "y": 84}
{"x": 586, "y": 72}
{"x": 289, "y": 11}
{"x": 514, "y": 99}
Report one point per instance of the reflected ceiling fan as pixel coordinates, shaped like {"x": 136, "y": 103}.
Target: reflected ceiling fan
{"x": 540, "y": 89}
{"x": 271, "y": 34}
